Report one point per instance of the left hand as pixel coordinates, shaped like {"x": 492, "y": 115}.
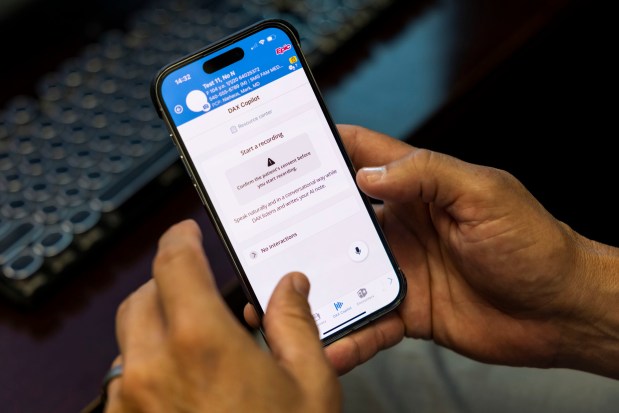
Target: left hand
{"x": 183, "y": 350}
{"x": 491, "y": 274}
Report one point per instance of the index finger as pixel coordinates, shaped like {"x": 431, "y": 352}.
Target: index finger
{"x": 182, "y": 273}
{"x": 369, "y": 148}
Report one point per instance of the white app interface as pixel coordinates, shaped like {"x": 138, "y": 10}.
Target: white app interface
{"x": 287, "y": 201}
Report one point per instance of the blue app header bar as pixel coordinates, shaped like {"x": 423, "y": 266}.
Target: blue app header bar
{"x": 190, "y": 92}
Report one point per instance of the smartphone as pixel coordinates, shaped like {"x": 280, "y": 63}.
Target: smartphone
{"x": 269, "y": 166}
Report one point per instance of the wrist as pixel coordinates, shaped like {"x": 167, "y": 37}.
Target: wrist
{"x": 590, "y": 332}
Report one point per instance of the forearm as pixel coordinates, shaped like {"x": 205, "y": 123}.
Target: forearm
{"x": 591, "y": 337}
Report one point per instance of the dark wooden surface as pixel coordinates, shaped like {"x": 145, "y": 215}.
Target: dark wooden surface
{"x": 421, "y": 74}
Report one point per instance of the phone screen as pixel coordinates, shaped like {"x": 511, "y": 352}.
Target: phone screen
{"x": 266, "y": 159}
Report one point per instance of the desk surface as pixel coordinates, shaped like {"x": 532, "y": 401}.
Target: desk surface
{"x": 52, "y": 358}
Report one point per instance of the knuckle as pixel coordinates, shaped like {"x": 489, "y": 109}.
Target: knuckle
{"x": 170, "y": 254}
{"x": 122, "y": 309}
{"x": 186, "y": 338}
{"x": 166, "y": 255}
{"x": 139, "y": 387}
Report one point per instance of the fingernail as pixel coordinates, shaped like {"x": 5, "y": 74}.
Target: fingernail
{"x": 301, "y": 284}
{"x": 374, "y": 173}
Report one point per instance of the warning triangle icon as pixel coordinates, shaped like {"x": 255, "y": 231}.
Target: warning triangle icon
{"x": 270, "y": 162}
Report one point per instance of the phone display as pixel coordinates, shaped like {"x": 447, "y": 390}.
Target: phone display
{"x": 269, "y": 166}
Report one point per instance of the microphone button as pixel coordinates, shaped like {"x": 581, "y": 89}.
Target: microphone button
{"x": 358, "y": 251}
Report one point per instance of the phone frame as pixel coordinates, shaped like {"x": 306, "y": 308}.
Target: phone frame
{"x": 162, "y": 111}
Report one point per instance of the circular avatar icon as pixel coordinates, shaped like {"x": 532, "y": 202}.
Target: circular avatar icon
{"x": 197, "y": 102}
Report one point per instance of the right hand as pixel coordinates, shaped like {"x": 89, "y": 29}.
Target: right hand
{"x": 182, "y": 349}
{"x": 491, "y": 274}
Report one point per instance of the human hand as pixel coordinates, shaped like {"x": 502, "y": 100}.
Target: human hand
{"x": 184, "y": 351}
{"x": 491, "y": 274}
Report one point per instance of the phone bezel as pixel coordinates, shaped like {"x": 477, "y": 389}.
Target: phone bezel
{"x": 212, "y": 213}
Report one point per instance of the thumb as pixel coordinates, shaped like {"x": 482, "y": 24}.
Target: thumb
{"x": 291, "y": 330}
{"x": 421, "y": 175}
